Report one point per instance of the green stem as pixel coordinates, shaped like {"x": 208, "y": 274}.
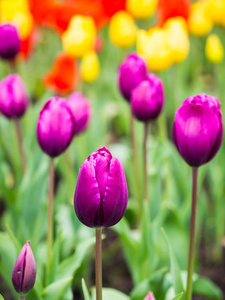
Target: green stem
{"x": 192, "y": 233}
{"x": 98, "y": 263}
{"x": 20, "y": 143}
{"x": 22, "y": 297}
{"x": 145, "y": 162}
{"x": 50, "y": 207}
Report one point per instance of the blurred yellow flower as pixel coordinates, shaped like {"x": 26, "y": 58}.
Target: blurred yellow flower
{"x": 89, "y": 68}
{"x": 79, "y": 38}
{"x": 178, "y": 39}
{"x": 216, "y": 11}
{"x": 199, "y": 20}
{"x": 141, "y": 9}
{"x": 17, "y": 12}
{"x": 214, "y": 49}
{"x": 154, "y": 47}
{"x": 122, "y": 29}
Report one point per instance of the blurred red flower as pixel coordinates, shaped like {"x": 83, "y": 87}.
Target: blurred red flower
{"x": 40, "y": 10}
{"x": 63, "y": 76}
{"x": 113, "y": 6}
{"x": 172, "y": 8}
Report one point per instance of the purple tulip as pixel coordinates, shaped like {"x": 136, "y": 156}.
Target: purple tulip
{"x": 80, "y": 109}
{"x": 147, "y": 99}
{"x": 101, "y": 194}
{"x": 149, "y": 296}
{"x": 198, "y": 129}
{"x": 9, "y": 41}
{"x": 24, "y": 271}
{"x": 55, "y": 128}
{"x": 131, "y": 72}
{"x": 13, "y": 97}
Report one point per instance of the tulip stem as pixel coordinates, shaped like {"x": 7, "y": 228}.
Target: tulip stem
{"x": 135, "y": 160}
{"x": 20, "y": 143}
{"x": 192, "y": 233}
{"x": 50, "y": 207}
{"x": 98, "y": 263}
{"x": 22, "y": 297}
{"x": 145, "y": 162}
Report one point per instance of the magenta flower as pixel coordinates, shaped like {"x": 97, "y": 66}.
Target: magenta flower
{"x": 147, "y": 99}
{"x": 131, "y": 72}
{"x": 198, "y": 129}
{"x": 81, "y": 111}
{"x": 13, "y": 97}
{"x": 24, "y": 271}
{"x": 55, "y": 128}
{"x": 9, "y": 41}
{"x": 149, "y": 296}
{"x": 101, "y": 194}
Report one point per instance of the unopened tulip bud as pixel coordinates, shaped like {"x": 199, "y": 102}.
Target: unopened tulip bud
{"x": 214, "y": 49}
{"x": 198, "y": 129}
{"x": 89, "y": 67}
{"x": 9, "y": 41}
{"x": 131, "y": 72}
{"x": 101, "y": 194}
{"x": 13, "y": 97}
{"x": 141, "y": 9}
{"x": 81, "y": 111}
{"x": 149, "y": 296}
{"x": 24, "y": 271}
{"x": 147, "y": 99}
{"x": 55, "y": 128}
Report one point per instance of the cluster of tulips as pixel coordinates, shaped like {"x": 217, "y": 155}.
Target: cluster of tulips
{"x": 101, "y": 193}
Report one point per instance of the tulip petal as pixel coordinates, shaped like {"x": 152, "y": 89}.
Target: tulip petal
{"x": 87, "y": 196}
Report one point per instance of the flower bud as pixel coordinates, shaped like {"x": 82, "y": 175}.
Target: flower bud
{"x": 81, "y": 111}
{"x": 149, "y": 296}
{"x": 10, "y": 41}
{"x": 214, "y": 49}
{"x": 122, "y": 30}
{"x": 89, "y": 67}
{"x": 198, "y": 129}
{"x": 147, "y": 99}
{"x": 131, "y": 72}
{"x": 13, "y": 97}
{"x": 141, "y": 9}
{"x": 55, "y": 128}
{"x": 101, "y": 194}
{"x": 24, "y": 271}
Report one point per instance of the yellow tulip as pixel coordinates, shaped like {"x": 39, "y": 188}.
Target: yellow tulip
{"x": 214, "y": 49}
{"x": 24, "y": 23}
{"x": 178, "y": 39}
{"x": 141, "y": 9}
{"x": 199, "y": 20}
{"x": 216, "y": 11}
{"x": 153, "y": 46}
{"x": 122, "y": 29}
{"x": 89, "y": 68}
{"x": 79, "y": 38}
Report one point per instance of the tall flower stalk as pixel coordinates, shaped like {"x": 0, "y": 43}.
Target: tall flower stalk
{"x": 98, "y": 263}
{"x": 20, "y": 143}
{"x": 50, "y": 207}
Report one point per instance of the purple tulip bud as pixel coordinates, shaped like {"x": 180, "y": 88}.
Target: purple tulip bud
{"x": 131, "y": 72}
{"x": 149, "y": 296}
{"x": 80, "y": 109}
{"x": 55, "y": 128}
{"x": 24, "y": 271}
{"x": 147, "y": 99}
{"x": 13, "y": 97}
{"x": 101, "y": 194}
{"x": 9, "y": 41}
{"x": 198, "y": 129}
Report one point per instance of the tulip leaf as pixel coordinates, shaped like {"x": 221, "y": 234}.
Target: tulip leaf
{"x": 54, "y": 260}
{"x": 205, "y": 287}
{"x": 110, "y": 294}
{"x": 178, "y": 297}
{"x": 15, "y": 241}
{"x": 71, "y": 264}
{"x": 1, "y": 298}
{"x": 56, "y": 289}
{"x": 174, "y": 268}
{"x": 85, "y": 290}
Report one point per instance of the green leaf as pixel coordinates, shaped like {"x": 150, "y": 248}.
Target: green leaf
{"x": 70, "y": 265}
{"x": 15, "y": 241}
{"x": 110, "y": 294}
{"x": 85, "y": 290}
{"x": 205, "y": 287}
{"x": 1, "y": 298}
{"x": 174, "y": 268}
{"x": 178, "y": 297}
{"x": 56, "y": 289}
